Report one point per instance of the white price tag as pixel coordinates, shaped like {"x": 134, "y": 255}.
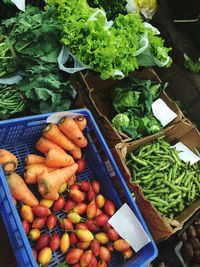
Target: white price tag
{"x": 129, "y": 228}
{"x": 186, "y": 154}
{"x": 20, "y": 4}
{"x": 56, "y": 117}
{"x": 162, "y": 112}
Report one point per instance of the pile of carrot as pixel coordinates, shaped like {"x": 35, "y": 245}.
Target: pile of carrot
{"x": 61, "y": 145}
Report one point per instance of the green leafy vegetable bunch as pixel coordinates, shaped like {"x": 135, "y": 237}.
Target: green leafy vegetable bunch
{"x": 132, "y": 102}
{"x": 110, "y": 49}
{"x": 29, "y": 42}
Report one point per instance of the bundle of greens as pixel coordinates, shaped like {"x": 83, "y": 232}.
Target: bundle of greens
{"x": 7, "y": 56}
{"x": 32, "y": 36}
{"x": 11, "y": 102}
{"x": 111, "y": 50}
{"x": 113, "y": 7}
{"x": 193, "y": 66}
{"x": 132, "y": 101}
{"x": 45, "y": 89}
{"x": 30, "y": 42}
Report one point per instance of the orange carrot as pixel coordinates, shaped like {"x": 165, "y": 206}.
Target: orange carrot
{"x": 50, "y": 182}
{"x": 20, "y": 191}
{"x": 32, "y": 172}
{"x": 53, "y": 133}
{"x": 69, "y": 127}
{"x": 81, "y": 122}
{"x": 76, "y": 153}
{"x": 43, "y": 145}
{"x": 58, "y": 158}
{"x": 8, "y": 160}
{"x": 34, "y": 159}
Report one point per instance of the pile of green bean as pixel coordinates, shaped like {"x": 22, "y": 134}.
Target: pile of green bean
{"x": 168, "y": 182}
{"x": 11, "y": 102}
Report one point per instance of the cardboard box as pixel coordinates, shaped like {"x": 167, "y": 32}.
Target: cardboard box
{"x": 98, "y": 99}
{"x": 160, "y": 226}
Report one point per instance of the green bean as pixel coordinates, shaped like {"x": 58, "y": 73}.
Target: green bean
{"x": 157, "y": 204}
{"x": 197, "y": 184}
{"x": 188, "y": 179}
{"x": 172, "y": 195}
{"x": 171, "y": 185}
{"x": 170, "y": 175}
{"x": 174, "y": 170}
{"x": 146, "y": 177}
{"x": 174, "y": 203}
{"x": 181, "y": 206}
{"x": 149, "y": 152}
{"x": 159, "y": 200}
{"x": 139, "y": 161}
{"x": 182, "y": 188}
{"x": 166, "y": 166}
{"x": 193, "y": 192}
{"x": 179, "y": 179}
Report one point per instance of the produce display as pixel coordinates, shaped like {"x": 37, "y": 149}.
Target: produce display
{"x": 190, "y": 250}
{"x": 167, "y": 182}
{"x": 132, "y": 101}
{"x": 63, "y": 205}
{"x": 113, "y": 50}
{"x": 29, "y": 43}
{"x": 70, "y": 217}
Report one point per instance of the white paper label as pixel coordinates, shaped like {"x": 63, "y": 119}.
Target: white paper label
{"x": 56, "y": 117}
{"x": 186, "y": 154}
{"x": 129, "y": 228}
{"x": 162, "y": 112}
{"x": 20, "y": 4}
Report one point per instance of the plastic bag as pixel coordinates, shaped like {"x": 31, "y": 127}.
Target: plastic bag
{"x": 146, "y": 7}
{"x": 108, "y": 24}
{"x": 11, "y": 79}
{"x": 63, "y": 57}
{"x": 20, "y": 4}
{"x": 146, "y": 59}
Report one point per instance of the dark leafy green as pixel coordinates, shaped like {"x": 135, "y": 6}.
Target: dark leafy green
{"x": 193, "y": 66}
{"x": 133, "y": 101}
{"x": 30, "y": 42}
{"x": 46, "y": 90}
{"x": 113, "y": 7}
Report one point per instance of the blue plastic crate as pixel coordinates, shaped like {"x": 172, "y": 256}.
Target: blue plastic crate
{"x": 19, "y": 137}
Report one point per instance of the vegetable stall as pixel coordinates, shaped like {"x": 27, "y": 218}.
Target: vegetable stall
{"x": 99, "y": 160}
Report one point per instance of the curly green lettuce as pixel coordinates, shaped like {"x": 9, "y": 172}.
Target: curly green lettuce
{"x": 109, "y": 49}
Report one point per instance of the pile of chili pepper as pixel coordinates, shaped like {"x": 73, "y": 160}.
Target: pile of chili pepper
{"x": 167, "y": 181}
